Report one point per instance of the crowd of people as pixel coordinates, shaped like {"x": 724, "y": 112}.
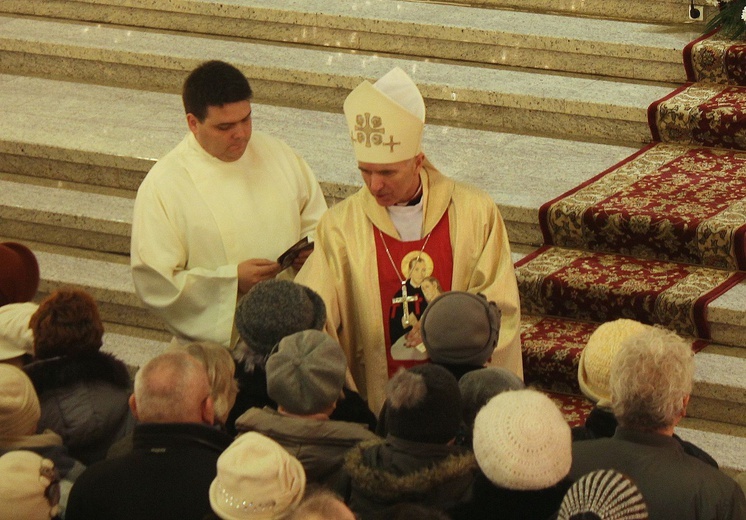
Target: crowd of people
{"x": 379, "y": 376}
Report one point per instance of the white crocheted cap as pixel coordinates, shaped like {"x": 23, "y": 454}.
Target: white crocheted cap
{"x": 522, "y": 442}
{"x": 607, "y": 494}
{"x": 594, "y": 367}
{"x": 386, "y": 119}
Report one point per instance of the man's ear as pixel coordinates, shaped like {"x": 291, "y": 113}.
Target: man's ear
{"x": 208, "y": 411}
{"x": 686, "y": 404}
{"x": 133, "y": 406}
{"x": 192, "y": 123}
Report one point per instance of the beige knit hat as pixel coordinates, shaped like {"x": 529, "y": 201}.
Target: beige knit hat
{"x": 522, "y": 442}
{"x": 16, "y": 338}
{"x": 386, "y": 119}
{"x": 257, "y": 479}
{"x": 19, "y": 404}
{"x": 27, "y": 489}
{"x": 595, "y": 360}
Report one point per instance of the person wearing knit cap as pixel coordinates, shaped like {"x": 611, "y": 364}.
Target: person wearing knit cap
{"x": 305, "y": 377}
{"x": 257, "y": 479}
{"x": 19, "y": 273}
{"x": 270, "y": 311}
{"x": 19, "y": 418}
{"x": 523, "y": 447}
{"x": 16, "y": 338}
{"x": 594, "y": 371}
{"x": 84, "y": 392}
{"x": 603, "y": 495}
{"x": 176, "y": 447}
{"x": 468, "y": 346}
{"x": 29, "y": 487}
{"x": 650, "y": 385}
{"x": 418, "y": 461}
{"x": 214, "y": 215}
{"x": 409, "y": 224}
{"x": 477, "y": 388}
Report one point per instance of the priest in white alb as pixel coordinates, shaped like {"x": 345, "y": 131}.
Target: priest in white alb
{"x": 213, "y": 215}
{"x": 409, "y": 226}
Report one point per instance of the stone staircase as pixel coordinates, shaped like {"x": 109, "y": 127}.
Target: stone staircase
{"x": 524, "y": 104}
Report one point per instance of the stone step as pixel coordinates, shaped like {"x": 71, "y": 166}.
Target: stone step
{"x": 724, "y": 442}
{"x": 80, "y": 140}
{"x": 650, "y": 11}
{"x": 454, "y": 32}
{"x": 581, "y": 108}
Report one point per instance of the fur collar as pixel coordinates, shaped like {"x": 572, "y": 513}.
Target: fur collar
{"x": 387, "y": 486}
{"x": 48, "y": 374}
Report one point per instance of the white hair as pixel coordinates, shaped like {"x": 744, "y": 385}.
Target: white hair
{"x": 651, "y": 376}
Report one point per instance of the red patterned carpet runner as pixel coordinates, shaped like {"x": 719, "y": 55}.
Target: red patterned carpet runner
{"x": 574, "y": 408}
{"x": 703, "y": 114}
{"x": 600, "y": 287}
{"x": 552, "y": 348}
{"x": 667, "y": 202}
{"x": 711, "y": 59}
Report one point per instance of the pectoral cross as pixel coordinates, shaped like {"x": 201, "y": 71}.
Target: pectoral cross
{"x": 404, "y": 300}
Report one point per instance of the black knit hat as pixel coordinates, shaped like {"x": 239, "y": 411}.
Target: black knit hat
{"x": 273, "y": 309}
{"x": 423, "y": 404}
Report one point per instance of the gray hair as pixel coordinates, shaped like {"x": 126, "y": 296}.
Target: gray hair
{"x": 171, "y": 388}
{"x": 651, "y": 375}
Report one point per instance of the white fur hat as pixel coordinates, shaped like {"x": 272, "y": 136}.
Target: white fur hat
{"x": 386, "y": 119}
{"x": 16, "y": 338}
{"x": 256, "y": 479}
{"x": 522, "y": 442}
{"x": 594, "y": 367}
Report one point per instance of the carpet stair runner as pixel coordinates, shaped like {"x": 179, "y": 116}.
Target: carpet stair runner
{"x": 654, "y": 238}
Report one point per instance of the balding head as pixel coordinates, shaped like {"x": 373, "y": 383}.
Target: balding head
{"x": 172, "y": 388}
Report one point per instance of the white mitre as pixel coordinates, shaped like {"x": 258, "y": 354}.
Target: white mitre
{"x": 386, "y": 119}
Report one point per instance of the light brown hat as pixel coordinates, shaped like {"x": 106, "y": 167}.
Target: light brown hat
{"x": 19, "y": 404}
{"x": 594, "y": 367}
{"x": 257, "y": 479}
{"x": 26, "y": 487}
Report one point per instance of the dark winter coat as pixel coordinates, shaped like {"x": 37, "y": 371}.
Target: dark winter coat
{"x": 386, "y": 472}
{"x": 320, "y": 445}
{"x": 602, "y": 423}
{"x": 166, "y": 476}
{"x": 489, "y": 501}
{"x": 85, "y": 400}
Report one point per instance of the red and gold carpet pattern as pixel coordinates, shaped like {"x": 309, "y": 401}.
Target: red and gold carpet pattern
{"x": 599, "y": 287}
{"x": 666, "y": 202}
{"x": 575, "y": 408}
{"x": 551, "y": 352}
{"x": 701, "y": 114}
{"x": 711, "y": 59}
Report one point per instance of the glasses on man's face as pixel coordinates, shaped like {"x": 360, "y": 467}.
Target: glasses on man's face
{"x": 52, "y": 491}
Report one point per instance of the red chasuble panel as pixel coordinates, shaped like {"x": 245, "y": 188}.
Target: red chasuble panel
{"x": 427, "y": 272}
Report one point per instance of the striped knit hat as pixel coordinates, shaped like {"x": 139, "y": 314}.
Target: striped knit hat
{"x": 605, "y": 494}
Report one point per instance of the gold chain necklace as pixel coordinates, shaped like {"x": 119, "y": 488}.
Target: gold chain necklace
{"x": 405, "y": 299}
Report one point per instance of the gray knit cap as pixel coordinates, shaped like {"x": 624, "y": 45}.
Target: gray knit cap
{"x": 306, "y": 373}
{"x": 605, "y": 494}
{"x": 479, "y": 386}
{"x": 273, "y": 309}
{"x": 460, "y": 328}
